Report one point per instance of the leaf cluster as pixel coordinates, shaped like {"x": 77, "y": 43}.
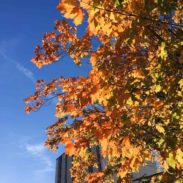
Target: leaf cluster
{"x": 131, "y": 103}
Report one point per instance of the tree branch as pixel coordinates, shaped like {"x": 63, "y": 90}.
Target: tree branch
{"x": 134, "y": 15}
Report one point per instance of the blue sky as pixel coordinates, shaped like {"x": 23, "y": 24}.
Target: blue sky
{"x": 23, "y": 158}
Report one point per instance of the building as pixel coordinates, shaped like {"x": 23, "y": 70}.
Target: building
{"x": 64, "y": 163}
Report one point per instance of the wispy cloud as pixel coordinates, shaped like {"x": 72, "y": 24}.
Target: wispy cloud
{"x": 39, "y": 151}
{"x": 25, "y": 71}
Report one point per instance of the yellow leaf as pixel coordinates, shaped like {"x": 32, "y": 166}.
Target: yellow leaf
{"x": 179, "y": 157}
{"x": 83, "y": 153}
{"x": 171, "y": 160}
{"x": 163, "y": 51}
{"x": 126, "y": 142}
{"x": 122, "y": 173}
{"x": 181, "y": 83}
{"x": 160, "y": 128}
{"x": 133, "y": 162}
{"x": 157, "y": 88}
{"x": 78, "y": 19}
{"x": 130, "y": 101}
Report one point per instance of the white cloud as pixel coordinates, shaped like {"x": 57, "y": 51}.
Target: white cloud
{"x": 39, "y": 151}
{"x": 27, "y": 73}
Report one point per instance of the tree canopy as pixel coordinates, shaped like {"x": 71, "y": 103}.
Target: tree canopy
{"x": 131, "y": 102}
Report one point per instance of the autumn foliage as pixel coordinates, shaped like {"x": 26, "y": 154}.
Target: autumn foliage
{"x": 131, "y": 102}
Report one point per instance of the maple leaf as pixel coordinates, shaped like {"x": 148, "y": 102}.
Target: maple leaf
{"x": 69, "y": 146}
{"x": 78, "y": 19}
{"x": 94, "y": 177}
{"x": 160, "y": 128}
{"x": 71, "y": 10}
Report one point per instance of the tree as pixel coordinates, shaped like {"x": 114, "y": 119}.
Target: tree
{"x": 131, "y": 103}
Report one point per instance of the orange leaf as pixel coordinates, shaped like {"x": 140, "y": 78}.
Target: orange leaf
{"x": 126, "y": 141}
{"x": 94, "y": 177}
{"x": 78, "y": 19}
{"x": 69, "y": 146}
{"x": 70, "y": 9}
{"x": 70, "y": 149}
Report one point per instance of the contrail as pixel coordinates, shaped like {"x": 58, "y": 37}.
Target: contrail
{"x": 27, "y": 73}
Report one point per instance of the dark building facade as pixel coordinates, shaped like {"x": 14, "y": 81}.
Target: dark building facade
{"x": 64, "y": 163}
